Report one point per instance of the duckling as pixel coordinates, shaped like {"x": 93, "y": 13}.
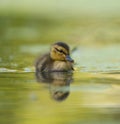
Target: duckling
{"x": 57, "y": 60}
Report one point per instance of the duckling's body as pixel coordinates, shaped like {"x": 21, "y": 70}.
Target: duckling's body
{"x": 57, "y": 60}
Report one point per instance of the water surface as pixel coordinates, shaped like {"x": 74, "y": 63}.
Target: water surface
{"x": 88, "y": 96}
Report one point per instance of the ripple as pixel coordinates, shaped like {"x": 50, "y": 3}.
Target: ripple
{"x": 7, "y": 70}
{"x": 26, "y": 69}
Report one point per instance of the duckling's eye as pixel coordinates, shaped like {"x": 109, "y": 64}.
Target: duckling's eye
{"x": 61, "y": 51}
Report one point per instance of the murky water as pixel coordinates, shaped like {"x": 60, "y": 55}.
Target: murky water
{"x": 91, "y": 95}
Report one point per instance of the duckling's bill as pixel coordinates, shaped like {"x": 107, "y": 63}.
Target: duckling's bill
{"x": 68, "y": 58}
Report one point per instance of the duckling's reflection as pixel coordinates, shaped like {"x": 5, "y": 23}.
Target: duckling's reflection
{"x": 59, "y": 83}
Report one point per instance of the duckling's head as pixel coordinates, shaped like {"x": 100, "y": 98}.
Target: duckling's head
{"x": 60, "y": 52}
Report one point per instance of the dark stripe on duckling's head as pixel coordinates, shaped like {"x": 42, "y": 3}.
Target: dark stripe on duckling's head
{"x": 62, "y": 45}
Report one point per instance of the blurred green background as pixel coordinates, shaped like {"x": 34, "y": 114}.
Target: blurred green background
{"x": 27, "y": 26}
{"x": 83, "y": 22}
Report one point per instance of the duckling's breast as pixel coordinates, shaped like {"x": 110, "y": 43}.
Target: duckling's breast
{"x": 62, "y": 66}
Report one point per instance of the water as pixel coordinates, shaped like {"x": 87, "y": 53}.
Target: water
{"x": 88, "y": 99}
{"x": 88, "y": 96}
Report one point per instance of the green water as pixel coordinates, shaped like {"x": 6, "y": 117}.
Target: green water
{"x": 92, "y": 92}
{"x": 91, "y": 95}
{"x": 91, "y": 99}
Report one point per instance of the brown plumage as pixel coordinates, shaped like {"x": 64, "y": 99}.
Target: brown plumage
{"x": 58, "y": 59}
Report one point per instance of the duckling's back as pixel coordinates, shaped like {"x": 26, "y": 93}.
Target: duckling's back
{"x": 43, "y": 63}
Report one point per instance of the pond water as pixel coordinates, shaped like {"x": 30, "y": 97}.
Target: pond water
{"x": 91, "y": 95}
